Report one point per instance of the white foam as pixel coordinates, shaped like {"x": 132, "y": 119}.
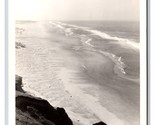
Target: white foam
{"x": 117, "y": 60}
{"x": 78, "y": 27}
{"x": 68, "y": 32}
{"x": 88, "y": 42}
{"x": 57, "y": 25}
{"x": 83, "y": 66}
{"x": 121, "y": 40}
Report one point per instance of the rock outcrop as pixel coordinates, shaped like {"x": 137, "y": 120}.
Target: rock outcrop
{"x": 36, "y": 111}
{"x": 19, "y": 45}
{"x": 19, "y": 84}
{"x": 100, "y": 123}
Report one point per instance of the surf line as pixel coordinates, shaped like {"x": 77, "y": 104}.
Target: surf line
{"x": 119, "y": 64}
{"x": 101, "y": 112}
{"x": 122, "y": 41}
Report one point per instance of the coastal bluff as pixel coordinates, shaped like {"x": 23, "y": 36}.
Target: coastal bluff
{"x": 36, "y": 111}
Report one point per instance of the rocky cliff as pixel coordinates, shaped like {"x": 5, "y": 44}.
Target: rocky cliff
{"x": 36, "y": 111}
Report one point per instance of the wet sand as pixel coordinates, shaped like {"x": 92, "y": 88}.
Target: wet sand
{"x": 70, "y": 74}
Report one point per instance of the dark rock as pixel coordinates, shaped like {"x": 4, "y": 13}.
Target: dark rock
{"x": 36, "y": 111}
{"x": 19, "y": 45}
{"x": 100, "y": 123}
{"x": 19, "y": 83}
{"x": 37, "y": 108}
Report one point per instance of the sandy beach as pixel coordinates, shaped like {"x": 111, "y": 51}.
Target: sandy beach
{"x": 69, "y": 74}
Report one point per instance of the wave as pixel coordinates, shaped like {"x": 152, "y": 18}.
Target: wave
{"x": 120, "y": 65}
{"x": 57, "y": 25}
{"x": 67, "y": 31}
{"x": 122, "y": 41}
{"x": 86, "y": 40}
{"x": 70, "y": 25}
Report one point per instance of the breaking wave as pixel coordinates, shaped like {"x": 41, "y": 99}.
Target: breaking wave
{"x": 120, "y": 40}
{"x": 69, "y": 30}
{"x": 117, "y": 60}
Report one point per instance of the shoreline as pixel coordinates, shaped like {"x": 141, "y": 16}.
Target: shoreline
{"x": 90, "y": 102}
{"x": 51, "y": 80}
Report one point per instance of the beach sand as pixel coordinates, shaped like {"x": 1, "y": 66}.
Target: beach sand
{"x": 55, "y": 67}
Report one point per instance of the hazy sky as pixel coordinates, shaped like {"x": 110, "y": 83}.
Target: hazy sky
{"x": 77, "y": 9}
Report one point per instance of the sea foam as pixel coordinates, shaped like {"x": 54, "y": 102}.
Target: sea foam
{"x": 122, "y": 41}
{"x": 119, "y": 64}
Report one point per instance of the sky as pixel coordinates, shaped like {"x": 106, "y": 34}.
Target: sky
{"x": 77, "y": 10}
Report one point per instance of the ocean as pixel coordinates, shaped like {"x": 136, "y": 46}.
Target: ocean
{"x": 91, "y": 68}
{"x": 117, "y": 40}
{"x": 117, "y": 80}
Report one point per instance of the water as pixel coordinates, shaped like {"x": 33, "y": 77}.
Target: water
{"x": 117, "y": 40}
{"x": 96, "y": 62}
{"x": 118, "y": 81}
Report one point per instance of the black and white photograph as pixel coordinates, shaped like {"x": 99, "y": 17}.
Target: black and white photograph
{"x": 79, "y": 62}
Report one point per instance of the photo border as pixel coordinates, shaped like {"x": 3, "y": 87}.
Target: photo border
{"x": 9, "y": 61}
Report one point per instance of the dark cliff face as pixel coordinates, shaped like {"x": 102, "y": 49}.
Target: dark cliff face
{"x": 36, "y": 111}
{"x": 40, "y": 109}
{"x": 19, "y": 84}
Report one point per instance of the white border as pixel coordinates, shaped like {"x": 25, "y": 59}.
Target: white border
{"x": 11, "y": 62}
{"x": 2, "y": 64}
{"x": 143, "y": 71}
{"x": 11, "y": 56}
